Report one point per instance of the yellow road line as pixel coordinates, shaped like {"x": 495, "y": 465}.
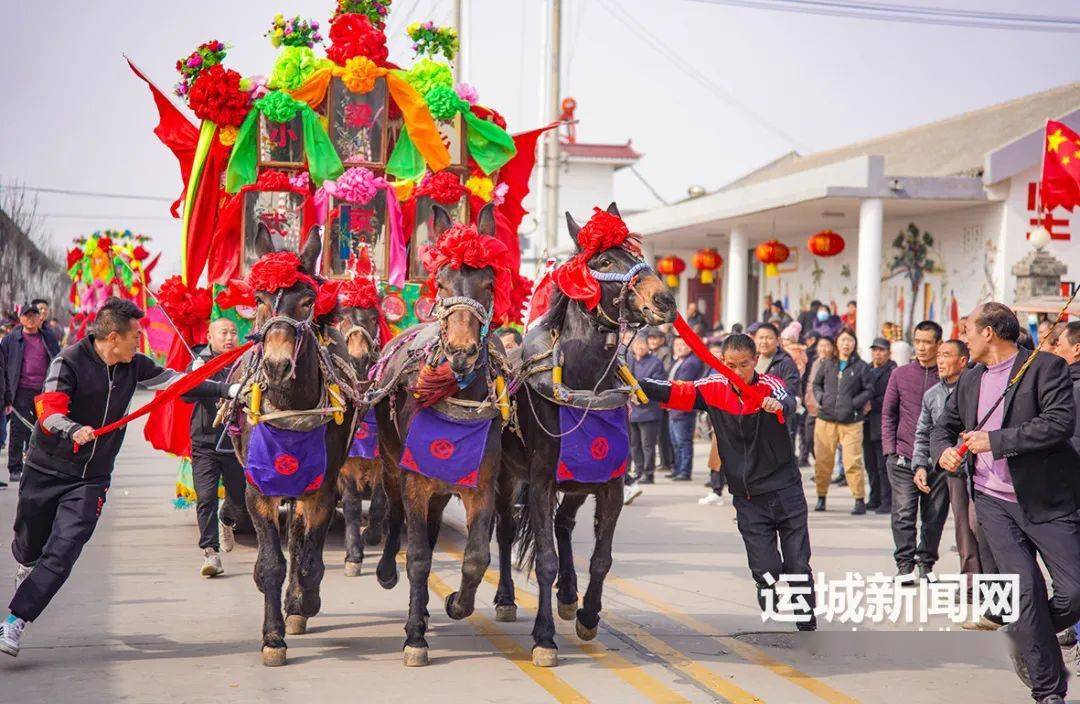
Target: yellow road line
{"x": 555, "y": 686}
{"x": 745, "y": 650}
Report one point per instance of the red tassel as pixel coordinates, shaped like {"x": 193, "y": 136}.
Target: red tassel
{"x": 433, "y": 384}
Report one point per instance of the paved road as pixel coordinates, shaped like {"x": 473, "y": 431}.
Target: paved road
{"x": 137, "y": 623}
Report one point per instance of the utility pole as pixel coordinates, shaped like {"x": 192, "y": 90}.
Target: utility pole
{"x": 551, "y": 158}
{"x": 460, "y": 17}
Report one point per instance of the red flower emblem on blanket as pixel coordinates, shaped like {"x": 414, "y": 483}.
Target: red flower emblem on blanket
{"x": 441, "y": 449}
{"x": 286, "y": 464}
{"x": 599, "y": 448}
{"x": 362, "y": 431}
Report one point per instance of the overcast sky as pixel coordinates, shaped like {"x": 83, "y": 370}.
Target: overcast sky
{"x": 766, "y": 82}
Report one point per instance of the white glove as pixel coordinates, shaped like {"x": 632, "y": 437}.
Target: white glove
{"x": 197, "y": 362}
{"x": 234, "y": 389}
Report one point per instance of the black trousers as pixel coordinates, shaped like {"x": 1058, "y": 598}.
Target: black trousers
{"x": 766, "y": 520}
{"x": 1015, "y": 543}
{"x": 876, "y": 471}
{"x": 667, "y": 450}
{"x": 807, "y": 448}
{"x": 20, "y": 434}
{"x": 54, "y": 519}
{"x": 207, "y": 467}
{"x": 643, "y": 438}
{"x": 910, "y": 508}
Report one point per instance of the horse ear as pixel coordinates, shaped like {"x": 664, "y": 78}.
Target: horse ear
{"x": 485, "y": 221}
{"x": 614, "y": 210}
{"x": 310, "y": 251}
{"x": 441, "y": 221}
{"x": 263, "y": 243}
{"x": 572, "y": 226}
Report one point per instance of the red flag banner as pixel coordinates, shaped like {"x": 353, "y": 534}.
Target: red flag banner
{"x": 1061, "y": 167}
{"x": 180, "y": 387}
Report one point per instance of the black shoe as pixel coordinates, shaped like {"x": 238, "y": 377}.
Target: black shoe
{"x": 1067, "y": 638}
{"x": 670, "y": 475}
{"x": 1052, "y": 699}
{"x": 648, "y": 479}
{"x": 840, "y": 481}
{"x": 3, "y": 485}
{"x": 860, "y": 508}
{"x": 820, "y": 504}
{"x": 810, "y": 625}
{"x": 680, "y": 478}
{"x": 906, "y": 574}
{"x": 872, "y": 505}
{"x": 883, "y": 509}
{"x": 16, "y": 477}
{"x": 924, "y": 570}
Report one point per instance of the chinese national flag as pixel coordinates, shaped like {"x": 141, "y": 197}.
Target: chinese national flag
{"x": 1061, "y": 167}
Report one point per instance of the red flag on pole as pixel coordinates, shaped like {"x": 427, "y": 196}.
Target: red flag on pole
{"x": 1061, "y": 167}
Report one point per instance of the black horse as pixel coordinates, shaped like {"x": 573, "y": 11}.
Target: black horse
{"x": 457, "y": 361}
{"x": 301, "y": 386}
{"x": 588, "y": 346}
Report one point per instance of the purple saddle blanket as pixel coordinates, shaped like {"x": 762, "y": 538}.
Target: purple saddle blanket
{"x": 365, "y": 442}
{"x": 595, "y": 447}
{"x": 286, "y": 462}
{"x": 445, "y": 449}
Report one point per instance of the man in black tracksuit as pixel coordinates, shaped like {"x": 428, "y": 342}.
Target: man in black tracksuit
{"x": 213, "y": 459}
{"x": 759, "y": 462}
{"x": 68, "y": 470}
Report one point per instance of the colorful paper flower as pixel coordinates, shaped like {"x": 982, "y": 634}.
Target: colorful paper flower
{"x": 293, "y": 32}
{"x": 227, "y": 135}
{"x": 444, "y": 103}
{"x": 205, "y": 56}
{"x": 426, "y": 74}
{"x": 430, "y": 40}
{"x": 294, "y": 65}
{"x": 374, "y": 10}
{"x": 358, "y": 185}
{"x": 360, "y": 74}
{"x": 216, "y": 96}
{"x": 481, "y": 187}
{"x": 278, "y": 106}
{"x": 467, "y": 93}
{"x": 444, "y": 188}
{"x": 354, "y": 35}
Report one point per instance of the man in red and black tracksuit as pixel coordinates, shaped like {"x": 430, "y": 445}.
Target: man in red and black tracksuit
{"x": 759, "y": 462}
{"x": 68, "y": 471}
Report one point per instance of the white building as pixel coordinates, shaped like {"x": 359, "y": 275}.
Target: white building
{"x": 968, "y": 180}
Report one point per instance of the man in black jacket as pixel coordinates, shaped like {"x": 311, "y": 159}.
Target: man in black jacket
{"x": 1067, "y": 346}
{"x": 24, "y": 357}
{"x": 881, "y": 368}
{"x": 68, "y": 470}
{"x": 1025, "y": 480}
{"x": 759, "y": 463}
{"x": 213, "y": 459}
{"x": 774, "y": 361}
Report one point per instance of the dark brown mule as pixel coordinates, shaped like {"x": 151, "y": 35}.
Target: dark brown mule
{"x": 290, "y": 364}
{"x": 459, "y": 338}
{"x": 360, "y": 478}
{"x": 590, "y": 347}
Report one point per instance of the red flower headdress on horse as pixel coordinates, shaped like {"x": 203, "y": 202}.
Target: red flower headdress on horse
{"x": 463, "y": 245}
{"x": 281, "y": 270}
{"x": 361, "y": 292}
{"x": 604, "y": 230}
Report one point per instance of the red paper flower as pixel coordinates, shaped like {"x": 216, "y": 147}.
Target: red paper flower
{"x": 184, "y": 306}
{"x": 104, "y": 244}
{"x": 139, "y": 253}
{"x": 74, "y": 255}
{"x": 444, "y": 188}
{"x": 326, "y": 299}
{"x": 237, "y": 293}
{"x": 603, "y": 231}
{"x": 464, "y": 246}
{"x": 354, "y": 35}
{"x": 277, "y": 270}
{"x": 216, "y": 96}
{"x": 359, "y": 293}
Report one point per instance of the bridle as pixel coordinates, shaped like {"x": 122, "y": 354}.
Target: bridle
{"x": 627, "y": 279}
{"x": 303, "y": 329}
{"x": 443, "y": 308}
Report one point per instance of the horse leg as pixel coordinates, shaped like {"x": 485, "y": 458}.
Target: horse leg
{"x": 541, "y": 505}
{"x": 566, "y": 593}
{"x": 434, "y": 521}
{"x": 269, "y": 574}
{"x": 505, "y": 604}
{"x": 608, "y": 507}
{"x": 352, "y": 504}
{"x": 376, "y": 514}
{"x": 418, "y": 568}
{"x": 387, "y": 570}
{"x": 479, "y": 511}
{"x": 306, "y": 568}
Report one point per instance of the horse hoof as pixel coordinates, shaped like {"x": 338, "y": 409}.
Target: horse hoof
{"x": 584, "y": 632}
{"x": 545, "y": 657}
{"x": 295, "y": 625}
{"x": 273, "y": 657}
{"x": 567, "y": 612}
{"x": 388, "y": 583}
{"x": 454, "y": 611}
{"x": 352, "y": 569}
{"x": 416, "y": 657}
{"x": 506, "y": 613}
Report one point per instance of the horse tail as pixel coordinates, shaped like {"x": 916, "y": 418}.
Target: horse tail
{"x": 525, "y": 536}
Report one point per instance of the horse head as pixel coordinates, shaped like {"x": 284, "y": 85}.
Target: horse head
{"x": 285, "y": 292}
{"x": 623, "y": 286}
{"x": 361, "y": 323}
{"x": 465, "y": 294}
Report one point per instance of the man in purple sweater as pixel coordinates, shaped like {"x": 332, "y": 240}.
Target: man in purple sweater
{"x": 899, "y": 417}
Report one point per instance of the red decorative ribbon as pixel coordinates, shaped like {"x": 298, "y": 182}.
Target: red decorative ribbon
{"x": 750, "y": 394}
{"x": 179, "y": 388}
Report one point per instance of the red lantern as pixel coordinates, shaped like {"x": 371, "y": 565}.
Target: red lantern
{"x": 706, "y": 261}
{"x": 770, "y": 254}
{"x": 825, "y": 244}
{"x": 670, "y": 267}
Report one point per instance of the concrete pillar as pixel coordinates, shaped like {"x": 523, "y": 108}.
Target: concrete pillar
{"x": 868, "y": 286}
{"x": 735, "y": 292}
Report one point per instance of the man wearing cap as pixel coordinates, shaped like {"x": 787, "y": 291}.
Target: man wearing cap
{"x": 881, "y": 368}
{"x": 25, "y": 355}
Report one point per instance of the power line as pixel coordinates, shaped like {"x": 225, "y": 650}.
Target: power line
{"x": 911, "y": 14}
{"x": 91, "y": 194}
{"x": 95, "y": 216}
{"x": 655, "y": 193}
{"x": 692, "y": 72}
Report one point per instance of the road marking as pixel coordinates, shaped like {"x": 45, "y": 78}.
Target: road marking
{"x": 745, "y": 650}
{"x": 630, "y": 673}
{"x": 555, "y": 686}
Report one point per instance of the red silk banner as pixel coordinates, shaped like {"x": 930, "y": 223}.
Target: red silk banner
{"x": 697, "y": 346}
{"x": 181, "y": 387}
